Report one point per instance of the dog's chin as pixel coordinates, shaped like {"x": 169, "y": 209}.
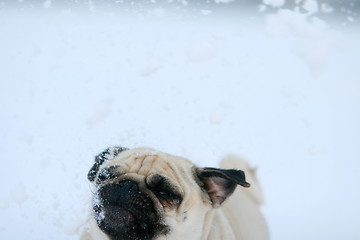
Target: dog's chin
{"x": 120, "y": 223}
{"x": 118, "y": 218}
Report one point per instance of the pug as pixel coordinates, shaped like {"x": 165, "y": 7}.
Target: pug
{"x": 144, "y": 194}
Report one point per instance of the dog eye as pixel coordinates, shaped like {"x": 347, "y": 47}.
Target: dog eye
{"x": 165, "y": 194}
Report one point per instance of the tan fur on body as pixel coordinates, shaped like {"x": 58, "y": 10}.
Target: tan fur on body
{"x": 238, "y": 218}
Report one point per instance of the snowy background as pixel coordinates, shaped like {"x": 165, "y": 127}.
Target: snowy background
{"x": 274, "y": 81}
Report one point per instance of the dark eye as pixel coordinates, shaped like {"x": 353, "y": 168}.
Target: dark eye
{"x": 165, "y": 194}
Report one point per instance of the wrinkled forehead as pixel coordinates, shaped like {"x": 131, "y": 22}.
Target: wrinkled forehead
{"x": 146, "y": 162}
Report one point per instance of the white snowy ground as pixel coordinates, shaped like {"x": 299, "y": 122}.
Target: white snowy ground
{"x": 281, "y": 90}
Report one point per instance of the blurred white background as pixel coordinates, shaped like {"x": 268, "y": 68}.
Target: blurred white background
{"x": 274, "y": 81}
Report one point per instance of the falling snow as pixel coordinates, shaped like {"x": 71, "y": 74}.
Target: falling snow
{"x": 273, "y": 83}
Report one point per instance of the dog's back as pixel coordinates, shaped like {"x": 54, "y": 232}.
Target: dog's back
{"x": 242, "y": 209}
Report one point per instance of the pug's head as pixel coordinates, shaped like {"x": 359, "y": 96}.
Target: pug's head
{"x": 146, "y": 194}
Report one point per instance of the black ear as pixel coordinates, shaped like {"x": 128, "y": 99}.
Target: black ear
{"x": 108, "y": 154}
{"x": 220, "y": 183}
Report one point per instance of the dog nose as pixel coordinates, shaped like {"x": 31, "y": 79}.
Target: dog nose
{"x": 113, "y": 193}
{"x": 128, "y": 186}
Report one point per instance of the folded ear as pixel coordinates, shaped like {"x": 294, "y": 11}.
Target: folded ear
{"x": 220, "y": 183}
{"x": 107, "y": 154}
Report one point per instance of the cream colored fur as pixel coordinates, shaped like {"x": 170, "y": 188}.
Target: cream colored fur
{"x": 238, "y": 218}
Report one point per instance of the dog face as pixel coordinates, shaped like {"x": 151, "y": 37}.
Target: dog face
{"x": 146, "y": 194}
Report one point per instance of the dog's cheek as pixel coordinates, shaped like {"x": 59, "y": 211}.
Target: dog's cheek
{"x": 170, "y": 203}
{"x": 171, "y": 222}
